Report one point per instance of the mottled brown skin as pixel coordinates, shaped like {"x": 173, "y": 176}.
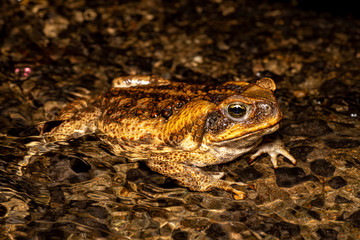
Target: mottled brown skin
{"x": 177, "y": 127}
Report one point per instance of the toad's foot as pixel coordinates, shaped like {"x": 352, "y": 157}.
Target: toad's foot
{"x": 226, "y": 185}
{"x": 273, "y": 148}
{"x": 194, "y": 178}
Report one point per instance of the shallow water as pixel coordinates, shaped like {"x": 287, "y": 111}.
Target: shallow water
{"x": 53, "y": 53}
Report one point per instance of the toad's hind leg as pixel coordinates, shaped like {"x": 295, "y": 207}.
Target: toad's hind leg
{"x": 192, "y": 177}
{"x": 77, "y": 119}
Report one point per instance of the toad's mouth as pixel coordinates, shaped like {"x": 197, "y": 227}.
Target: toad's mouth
{"x": 249, "y": 138}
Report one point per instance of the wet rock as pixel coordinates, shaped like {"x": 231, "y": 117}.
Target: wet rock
{"x": 288, "y": 177}
{"x": 342, "y": 143}
{"x": 322, "y": 167}
{"x": 327, "y": 234}
{"x": 225, "y": 78}
{"x": 340, "y": 200}
{"x": 143, "y": 63}
{"x": 94, "y": 225}
{"x": 215, "y": 57}
{"x": 54, "y": 26}
{"x": 307, "y": 128}
{"x": 98, "y": 212}
{"x": 301, "y": 153}
{"x": 166, "y": 230}
{"x": 53, "y": 234}
{"x": 263, "y": 74}
{"x": 357, "y": 195}
{"x": 216, "y": 231}
{"x": 57, "y": 195}
{"x": 72, "y": 169}
{"x": 349, "y": 164}
{"x": 247, "y": 174}
{"x": 89, "y": 15}
{"x": 169, "y": 202}
{"x": 279, "y": 229}
{"x": 79, "y": 166}
{"x": 318, "y": 201}
{"x": 53, "y": 214}
{"x": 240, "y": 215}
{"x": 284, "y": 230}
{"x": 150, "y": 232}
{"x": 22, "y": 130}
{"x": 337, "y": 182}
{"x": 314, "y": 214}
{"x": 190, "y": 76}
{"x": 354, "y": 219}
{"x": 3, "y": 210}
{"x": 313, "y": 65}
{"x": 333, "y": 86}
{"x": 133, "y": 174}
{"x": 80, "y": 205}
{"x": 197, "y": 222}
{"x": 179, "y": 235}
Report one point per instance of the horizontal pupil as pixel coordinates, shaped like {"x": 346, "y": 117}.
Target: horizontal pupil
{"x": 237, "y": 109}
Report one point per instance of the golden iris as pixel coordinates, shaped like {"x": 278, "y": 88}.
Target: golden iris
{"x": 236, "y": 110}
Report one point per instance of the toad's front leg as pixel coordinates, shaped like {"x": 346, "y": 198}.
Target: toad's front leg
{"x": 273, "y": 147}
{"x": 192, "y": 177}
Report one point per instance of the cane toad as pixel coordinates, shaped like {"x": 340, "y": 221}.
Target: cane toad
{"x": 175, "y": 127}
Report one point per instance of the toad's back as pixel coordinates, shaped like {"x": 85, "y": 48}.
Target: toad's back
{"x": 161, "y": 101}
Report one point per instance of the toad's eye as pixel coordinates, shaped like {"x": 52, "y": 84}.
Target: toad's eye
{"x": 236, "y": 110}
